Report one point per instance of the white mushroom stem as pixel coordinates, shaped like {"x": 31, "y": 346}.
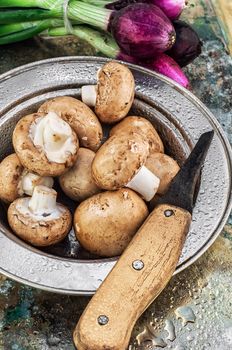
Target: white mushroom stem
{"x": 89, "y": 95}
{"x": 54, "y": 136}
{"x": 43, "y": 200}
{"x": 30, "y": 180}
{"x": 145, "y": 183}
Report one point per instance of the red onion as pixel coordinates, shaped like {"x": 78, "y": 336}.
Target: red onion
{"x": 142, "y": 30}
{"x": 187, "y": 46}
{"x": 172, "y": 8}
{"x": 166, "y": 65}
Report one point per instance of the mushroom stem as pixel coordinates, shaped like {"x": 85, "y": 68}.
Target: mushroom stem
{"x": 30, "y": 180}
{"x": 54, "y": 136}
{"x": 145, "y": 183}
{"x": 89, "y": 95}
{"x": 43, "y": 200}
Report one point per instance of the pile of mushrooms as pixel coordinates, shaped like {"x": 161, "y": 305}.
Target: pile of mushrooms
{"x": 111, "y": 181}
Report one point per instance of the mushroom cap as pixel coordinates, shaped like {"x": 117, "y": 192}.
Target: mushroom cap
{"x": 142, "y": 126}
{"x": 77, "y": 183}
{"x": 10, "y": 174}
{"x": 164, "y": 167}
{"x": 42, "y": 232}
{"x": 33, "y": 158}
{"x": 79, "y": 116}
{"x": 105, "y": 223}
{"x": 119, "y": 159}
{"x": 115, "y": 92}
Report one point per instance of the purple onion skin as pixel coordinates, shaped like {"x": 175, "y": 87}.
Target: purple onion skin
{"x": 129, "y": 59}
{"x": 142, "y": 30}
{"x": 171, "y": 8}
{"x": 120, "y": 4}
{"x": 162, "y": 64}
{"x": 187, "y": 46}
{"x": 166, "y": 65}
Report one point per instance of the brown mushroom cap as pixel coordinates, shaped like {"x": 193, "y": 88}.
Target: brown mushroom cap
{"x": 39, "y": 233}
{"x": 79, "y": 116}
{"x": 10, "y": 173}
{"x": 77, "y": 183}
{"x": 105, "y": 223}
{"x": 119, "y": 159}
{"x": 115, "y": 92}
{"x": 33, "y": 158}
{"x": 142, "y": 126}
{"x": 164, "y": 167}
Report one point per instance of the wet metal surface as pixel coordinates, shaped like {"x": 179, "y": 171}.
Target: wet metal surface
{"x": 31, "y": 319}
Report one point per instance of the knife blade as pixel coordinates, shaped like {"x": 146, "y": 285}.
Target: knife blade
{"x": 146, "y": 266}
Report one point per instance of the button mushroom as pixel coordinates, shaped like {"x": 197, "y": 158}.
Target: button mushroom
{"x": 39, "y": 220}
{"x": 29, "y": 181}
{"x": 79, "y": 116}
{"x": 15, "y": 181}
{"x": 105, "y": 223}
{"x": 77, "y": 183}
{"x": 120, "y": 162}
{"x": 142, "y": 126}
{"x": 114, "y": 93}
{"x": 46, "y": 144}
{"x": 164, "y": 167}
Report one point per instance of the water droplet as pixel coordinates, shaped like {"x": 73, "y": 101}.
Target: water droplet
{"x": 158, "y": 341}
{"x": 186, "y": 314}
{"x": 169, "y": 327}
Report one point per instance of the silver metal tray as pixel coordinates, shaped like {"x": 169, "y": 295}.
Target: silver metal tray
{"x": 180, "y": 119}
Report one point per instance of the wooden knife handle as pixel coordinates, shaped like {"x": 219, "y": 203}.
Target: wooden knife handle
{"x": 139, "y": 276}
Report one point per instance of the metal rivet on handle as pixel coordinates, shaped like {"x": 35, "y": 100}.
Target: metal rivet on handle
{"x": 103, "y": 320}
{"x": 168, "y": 213}
{"x": 138, "y": 265}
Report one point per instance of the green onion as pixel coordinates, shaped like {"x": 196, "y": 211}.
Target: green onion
{"x": 45, "y": 4}
{"x": 14, "y": 27}
{"x": 77, "y": 10}
{"x": 16, "y": 15}
{"x": 102, "y": 42}
{"x": 10, "y": 33}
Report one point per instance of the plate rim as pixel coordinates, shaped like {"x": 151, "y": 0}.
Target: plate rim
{"x": 223, "y": 138}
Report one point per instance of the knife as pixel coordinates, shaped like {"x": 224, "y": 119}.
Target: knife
{"x": 146, "y": 266}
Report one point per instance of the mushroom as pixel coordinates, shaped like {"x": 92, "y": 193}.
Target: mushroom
{"x": 142, "y": 126}
{"x": 77, "y": 183}
{"x": 120, "y": 162}
{"x": 114, "y": 93}
{"x": 164, "y": 167}
{"x": 46, "y": 144}
{"x": 39, "y": 220}
{"x": 15, "y": 181}
{"x": 79, "y": 116}
{"x": 105, "y": 223}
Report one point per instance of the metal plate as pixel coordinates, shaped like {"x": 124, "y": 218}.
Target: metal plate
{"x": 180, "y": 119}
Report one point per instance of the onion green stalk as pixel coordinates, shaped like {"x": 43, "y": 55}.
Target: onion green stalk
{"x": 26, "y": 15}
{"x": 77, "y": 10}
{"x": 11, "y": 33}
{"x": 101, "y": 41}
{"x": 44, "y": 4}
{"x": 7, "y": 29}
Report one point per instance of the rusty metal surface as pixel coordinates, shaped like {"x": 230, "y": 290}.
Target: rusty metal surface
{"x": 35, "y": 320}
